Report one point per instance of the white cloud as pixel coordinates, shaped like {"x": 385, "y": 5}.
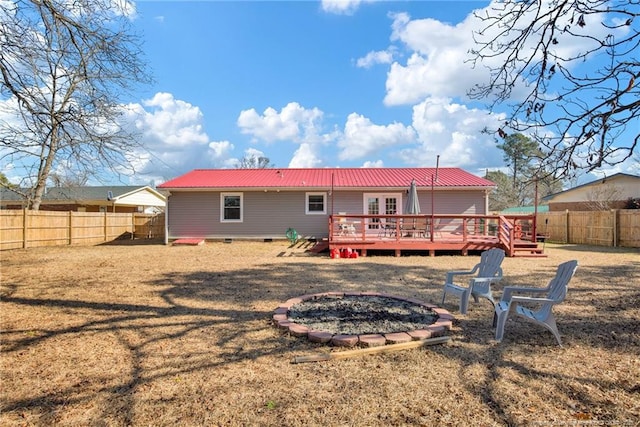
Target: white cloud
{"x": 170, "y": 122}
{"x": 306, "y": 156}
{"x": 454, "y": 132}
{"x": 373, "y": 164}
{"x": 173, "y": 131}
{"x": 342, "y": 7}
{"x": 219, "y": 150}
{"x": 438, "y": 59}
{"x": 292, "y": 123}
{"x": 125, "y": 8}
{"x": 372, "y": 58}
{"x": 253, "y": 152}
{"x": 436, "y": 65}
{"x": 362, "y": 138}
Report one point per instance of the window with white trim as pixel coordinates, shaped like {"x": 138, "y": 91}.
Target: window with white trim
{"x": 231, "y": 207}
{"x": 316, "y": 203}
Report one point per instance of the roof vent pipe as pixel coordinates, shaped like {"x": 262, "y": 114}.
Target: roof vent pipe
{"x": 437, "y": 165}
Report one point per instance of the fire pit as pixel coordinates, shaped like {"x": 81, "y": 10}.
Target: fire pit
{"x": 361, "y": 318}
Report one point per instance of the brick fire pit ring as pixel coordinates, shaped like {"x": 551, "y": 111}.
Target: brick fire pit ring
{"x": 443, "y": 323}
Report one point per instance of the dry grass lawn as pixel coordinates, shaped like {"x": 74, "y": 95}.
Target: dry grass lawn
{"x": 146, "y": 334}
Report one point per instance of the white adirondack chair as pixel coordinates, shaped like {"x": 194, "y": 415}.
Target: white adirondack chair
{"x": 553, "y": 294}
{"x": 487, "y": 271}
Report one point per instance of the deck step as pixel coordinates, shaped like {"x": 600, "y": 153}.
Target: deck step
{"x": 195, "y": 241}
{"x": 529, "y": 255}
{"x": 319, "y": 247}
{"x": 532, "y": 253}
{"x": 528, "y": 250}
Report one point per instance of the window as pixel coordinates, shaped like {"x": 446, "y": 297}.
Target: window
{"x": 316, "y": 203}
{"x": 231, "y": 207}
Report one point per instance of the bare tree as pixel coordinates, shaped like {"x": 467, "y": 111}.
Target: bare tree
{"x": 252, "y": 161}
{"x": 576, "y": 62}
{"x": 603, "y": 196}
{"x": 63, "y": 179}
{"x": 64, "y": 67}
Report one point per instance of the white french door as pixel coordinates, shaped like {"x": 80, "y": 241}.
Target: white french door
{"x": 381, "y": 204}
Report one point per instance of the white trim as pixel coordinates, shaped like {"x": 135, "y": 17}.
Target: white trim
{"x": 324, "y": 202}
{"x": 222, "y": 197}
{"x": 382, "y": 196}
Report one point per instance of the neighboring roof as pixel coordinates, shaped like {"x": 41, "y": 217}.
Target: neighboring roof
{"x": 111, "y": 194}
{"x": 119, "y": 194}
{"x": 596, "y": 181}
{"x": 8, "y": 195}
{"x": 525, "y": 209}
{"x": 325, "y": 178}
{"x": 94, "y": 193}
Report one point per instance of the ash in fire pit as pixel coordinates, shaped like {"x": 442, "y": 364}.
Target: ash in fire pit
{"x": 361, "y": 318}
{"x": 361, "y": 314}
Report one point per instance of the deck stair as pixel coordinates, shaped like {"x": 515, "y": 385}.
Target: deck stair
{"x": 528, "y": 249}
{"x": 319, "y": 246}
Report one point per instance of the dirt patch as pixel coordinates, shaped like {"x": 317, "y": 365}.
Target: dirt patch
{"x": 125, "y": 334}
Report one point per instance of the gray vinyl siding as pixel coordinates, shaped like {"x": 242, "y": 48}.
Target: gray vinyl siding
{"x": 347, "y": 201}
{"x": 268, "y": 215}
{"x": 449, "y": 202}
{"x": 265, "y": 216}
{"x": 456, "y": 202}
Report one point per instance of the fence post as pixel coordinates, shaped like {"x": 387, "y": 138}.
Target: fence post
{"x": 70, "y": 227}
{"x": 567, "y": 223}
{"x": 24, "y": 228}
{"x": 614, "y": 213}
{"x": 105, "y": 225}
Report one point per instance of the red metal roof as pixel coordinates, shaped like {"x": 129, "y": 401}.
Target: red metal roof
{"x": 322, "y": 178}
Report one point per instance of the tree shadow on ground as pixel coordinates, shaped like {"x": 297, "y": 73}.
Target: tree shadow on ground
{"x": 233, "y": 310}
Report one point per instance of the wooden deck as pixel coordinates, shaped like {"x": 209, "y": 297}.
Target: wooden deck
{"x": 424, "y": 233}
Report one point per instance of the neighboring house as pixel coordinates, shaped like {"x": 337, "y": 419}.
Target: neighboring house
{"x": 611, "y": 192}
{"x": 525, "y": 210}
{"x": 264, "y": 203}
{"x": 122, "y": 199}
{"x": 10, "y": 199}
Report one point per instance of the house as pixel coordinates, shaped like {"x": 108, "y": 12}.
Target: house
{"x": 11, "y": 200}
{"x": 525, "y": 210}
{"x": 611, "y": 192}
{"x": 265, "y": 203}
{"x": 122, "y": 199}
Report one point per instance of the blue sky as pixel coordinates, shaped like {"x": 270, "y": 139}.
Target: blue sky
{"x": 309, "y": 84}
{"x": 346, "y": 83}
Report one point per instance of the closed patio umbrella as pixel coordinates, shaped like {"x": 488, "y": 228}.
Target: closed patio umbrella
{"x": 412, "y": 206}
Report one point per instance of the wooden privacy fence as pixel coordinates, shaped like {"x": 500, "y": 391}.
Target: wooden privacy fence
{"x": 28, "y": 229}
{"x": 618, "y": 227}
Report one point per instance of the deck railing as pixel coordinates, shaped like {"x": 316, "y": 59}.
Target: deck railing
{"x": 506, "y": 234}
{"x": 432, "y": 227}
{"x": 428, "y": 232}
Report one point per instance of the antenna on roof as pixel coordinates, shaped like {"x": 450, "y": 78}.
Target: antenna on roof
{"x": 109, "y": 195}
